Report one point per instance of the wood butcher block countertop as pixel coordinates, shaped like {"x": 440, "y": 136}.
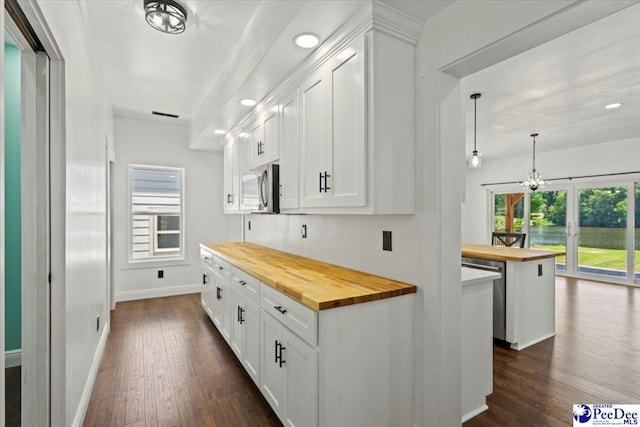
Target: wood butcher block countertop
{"x": 502, "y": 253}
{"x": 316, "y": 284}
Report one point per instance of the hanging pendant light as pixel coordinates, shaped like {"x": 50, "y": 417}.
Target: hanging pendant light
{"x": 534, "y": 179}
{"x": 167, "y": 16}
{"x": 475, "y": 161}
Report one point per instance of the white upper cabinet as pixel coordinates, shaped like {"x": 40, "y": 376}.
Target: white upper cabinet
{"x": 333, "y": 158}
{"x": 265, "y": 138}
{"x": 344, "y": 128}
{"x": 289, "y": 151}
{"x": 232, "y": 177}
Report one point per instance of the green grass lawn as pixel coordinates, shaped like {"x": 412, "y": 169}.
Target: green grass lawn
{"x": 612, "y": 259}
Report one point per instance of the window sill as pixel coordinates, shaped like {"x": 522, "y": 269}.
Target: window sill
{"x": 137, "y": 265}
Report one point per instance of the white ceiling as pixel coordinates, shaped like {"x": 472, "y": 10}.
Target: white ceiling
{"x": 230, "y": 50}
{"x": 559, "y": 90}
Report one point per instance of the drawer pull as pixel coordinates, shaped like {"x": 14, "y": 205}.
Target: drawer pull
{"x": 241, "y": 318}
{"x": 218, "y": 293}
{"x": 204, "y": 279}
{"x": 280, "y": 309}
{"x": 220, "y": 268}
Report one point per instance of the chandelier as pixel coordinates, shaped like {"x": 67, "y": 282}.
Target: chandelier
{"x": 534, "y": 179}
{"x": 167, "y": 16}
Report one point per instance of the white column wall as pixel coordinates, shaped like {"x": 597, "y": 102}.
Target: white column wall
{"x": 159, "y": 142}
{"x": 88, "y": 125}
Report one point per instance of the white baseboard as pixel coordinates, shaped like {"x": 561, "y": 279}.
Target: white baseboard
{"x": 81, "y": 412}
{"x": 157, "y": 292}
{"x": 12, "y": 358}
{"x": 476, "y": 411}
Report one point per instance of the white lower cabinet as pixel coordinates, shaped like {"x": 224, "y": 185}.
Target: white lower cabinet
{"x": 245, "y": 333}
{"x": 220, "y": 304}
{"x": 289, "y": 379}
{"x": 344, "y": 366}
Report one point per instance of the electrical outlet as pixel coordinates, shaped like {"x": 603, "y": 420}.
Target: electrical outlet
{"x": 160, "y": 274}
{"x": 304, "y": 231}
{"x": 249, "y": 225}
{"x": 386, "y": 240}
{"x": 539, "y": 270}
{"x": 98, "y": 322}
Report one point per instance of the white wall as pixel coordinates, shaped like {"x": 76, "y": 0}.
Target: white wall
{"x": 88, "y": 125}
{"x": 160, "y": 142}
{"x": 609, "y": 157}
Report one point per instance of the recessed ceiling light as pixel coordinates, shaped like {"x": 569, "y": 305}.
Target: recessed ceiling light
{"x": 248, "y": 102}
{"x": 220, "y": 132}
{"x": 614, "y": 105}
{"x": 307, "y": 40}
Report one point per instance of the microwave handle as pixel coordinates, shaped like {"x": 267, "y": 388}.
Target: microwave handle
{"x": 263, "y": 189}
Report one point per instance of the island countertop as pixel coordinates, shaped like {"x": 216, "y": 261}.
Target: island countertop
{"x": 502, "y": 253}
{"x": 316, "y": 284}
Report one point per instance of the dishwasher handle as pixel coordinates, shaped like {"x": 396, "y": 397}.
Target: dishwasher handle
{"x": 481, "y": 267}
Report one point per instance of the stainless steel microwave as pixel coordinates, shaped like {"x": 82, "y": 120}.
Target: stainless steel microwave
{"x": 261, "y": 190}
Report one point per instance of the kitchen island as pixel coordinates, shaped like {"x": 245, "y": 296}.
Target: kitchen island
{"x": 326, "y": 345}
{"x": 528, "y": 299}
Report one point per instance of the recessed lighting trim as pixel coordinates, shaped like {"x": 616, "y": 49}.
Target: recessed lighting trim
{"x": 613, "y": 105}
{"x": 248, "y": 102}
{"x": 220, "y": 132}
{"x": 307, "y": 40}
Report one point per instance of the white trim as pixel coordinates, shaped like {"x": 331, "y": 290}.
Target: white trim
{"x": 471, "y": 414}
{"x": 78, "y": 420}
{"x": 157, "y": 292}
{"x": 518, "y": 346}
{"x": 13, "y": 358}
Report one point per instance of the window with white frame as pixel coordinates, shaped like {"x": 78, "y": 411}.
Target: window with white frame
{"x": 157, "y": 212}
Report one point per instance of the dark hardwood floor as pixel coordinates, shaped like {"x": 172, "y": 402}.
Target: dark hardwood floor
{"x": 165, "y": 364}
{"x": 12, "y": 396}
{"x": 594, "y": 358}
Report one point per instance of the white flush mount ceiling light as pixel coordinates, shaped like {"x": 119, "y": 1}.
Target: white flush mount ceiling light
{"x": 613, "y": 105}
{"x": 248, "y": 102}
{"x": 534, "y": 179}
{"x": 306, "y": 40}
{"x": 220, "y": 132}
{"x": 475, "y": 161}
{"x": 167, "y": 16}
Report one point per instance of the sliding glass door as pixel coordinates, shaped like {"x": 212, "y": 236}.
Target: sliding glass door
{"x": 597, "y": 226}
{"x": 602, "y": 232}
{"x": 548, "y": 223}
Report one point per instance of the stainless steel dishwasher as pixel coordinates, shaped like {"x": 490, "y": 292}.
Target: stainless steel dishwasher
{"x": 499, "y": 292}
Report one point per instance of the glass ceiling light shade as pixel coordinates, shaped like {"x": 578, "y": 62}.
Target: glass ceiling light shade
{"x": 534, "y": 179}
{"x": 167, "y": 16}
{"x": 475, "y": 161}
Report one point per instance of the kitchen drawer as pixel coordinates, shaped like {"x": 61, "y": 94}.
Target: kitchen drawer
{"x": 246, "y": 283}
{"x": 206, "y": 257}
{"x": 298, "y": 318}
{"x": 222, "y": 267}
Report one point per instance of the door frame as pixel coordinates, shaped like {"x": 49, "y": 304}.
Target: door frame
{"x": 55, "y": 131}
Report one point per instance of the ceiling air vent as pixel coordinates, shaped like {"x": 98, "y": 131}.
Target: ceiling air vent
{"x": 158, "y": 113}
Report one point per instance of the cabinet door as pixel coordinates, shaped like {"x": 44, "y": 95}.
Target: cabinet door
{"x": 315, "y": 121}
{"x": 205, "y": 299}
{"x": 228, "y": 183}
{"x": 346, "y": 152}
{"x": 271, "y": 373}
{"x": 255, "y": 147}
{"x": 237, "y": 328}
{"x": 289, "y": 161}
{"x": 271, "y": 137}
{"x": 251, "y": 360}
{"x": 301, "y": 382}
{"x": 220, "y": 306}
